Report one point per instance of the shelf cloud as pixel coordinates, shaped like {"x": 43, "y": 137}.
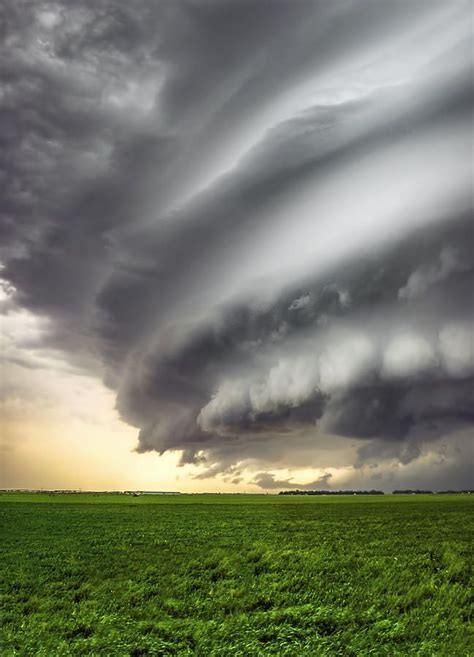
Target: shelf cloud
{"x": 253, "y": 221}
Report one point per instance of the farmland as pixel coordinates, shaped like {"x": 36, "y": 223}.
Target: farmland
{"x": 236, "y": 575}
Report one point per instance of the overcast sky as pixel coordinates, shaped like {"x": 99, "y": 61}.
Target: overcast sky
{"x": 237, "y": 244}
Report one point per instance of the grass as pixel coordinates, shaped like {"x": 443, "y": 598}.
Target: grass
{"x": 212, "y": 575}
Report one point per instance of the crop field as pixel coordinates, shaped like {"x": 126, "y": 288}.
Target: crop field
{"x": 210, "y": 575}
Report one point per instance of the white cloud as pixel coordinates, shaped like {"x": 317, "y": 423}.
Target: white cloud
{"x": 407, "y": 355}
{"x": 456, "y": 345}
{"x": 345, "y": 360}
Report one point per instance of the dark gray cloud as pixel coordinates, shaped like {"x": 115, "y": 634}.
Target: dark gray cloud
{"x": 252, "y": 219}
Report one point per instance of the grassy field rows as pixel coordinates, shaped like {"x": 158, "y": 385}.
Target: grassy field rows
{"x": 236, "y": 575}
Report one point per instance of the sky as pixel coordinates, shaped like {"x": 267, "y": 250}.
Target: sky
{"x": 236, "y": 245}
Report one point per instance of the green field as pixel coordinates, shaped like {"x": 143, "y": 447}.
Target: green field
{"x": 236, "y": 575}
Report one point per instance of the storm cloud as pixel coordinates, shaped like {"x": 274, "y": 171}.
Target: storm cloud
{"x": 252, "y": 220}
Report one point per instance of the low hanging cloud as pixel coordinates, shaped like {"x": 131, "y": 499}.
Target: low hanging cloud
{"x": 252, "y": 220}
{"x": 269, "y": 482}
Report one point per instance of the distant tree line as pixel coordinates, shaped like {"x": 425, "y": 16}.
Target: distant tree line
{"x": 296, "y": 491}
{"x": 408, "y": 491}
{"x": 416, "y": 491}
{"x": 468, "y": 491}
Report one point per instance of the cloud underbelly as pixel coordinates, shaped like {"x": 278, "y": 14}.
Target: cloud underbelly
{"x": 254, "y": 222}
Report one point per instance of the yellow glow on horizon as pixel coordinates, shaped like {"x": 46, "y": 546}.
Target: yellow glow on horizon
{"x": 59, "y": 429}
{"x": 62, "y": 431}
